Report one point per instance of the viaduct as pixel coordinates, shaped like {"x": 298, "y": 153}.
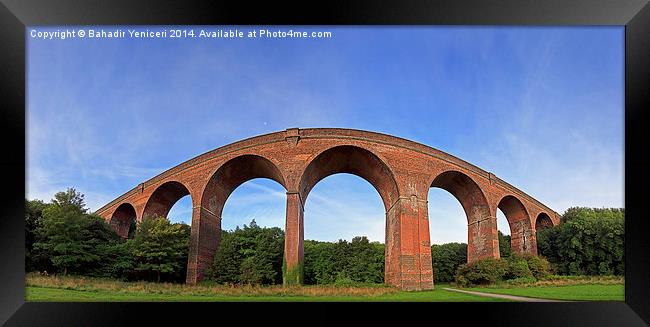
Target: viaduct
{"x": 401, "y": 171}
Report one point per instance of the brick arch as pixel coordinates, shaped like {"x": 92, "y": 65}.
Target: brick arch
{"x": 344, "y": 158}
{"x": 543, "y": 221}
{"x": 298, "y": 158}
{"x": 233, "y": 173}
{"x": 482, "y": 237}
{"x": 353, "y": 160}
{"x": 522, "y": 236}
{"x": 163, "y": 199}
{"x": 122, "y": 218}
{"x": 206, "y": 218}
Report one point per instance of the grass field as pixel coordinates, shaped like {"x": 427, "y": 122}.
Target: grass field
{"x": 570, "y": 292}
{"x": 576, "y": 288}
{"x": 43, "y": 294}
{"x": 84, "y": 289}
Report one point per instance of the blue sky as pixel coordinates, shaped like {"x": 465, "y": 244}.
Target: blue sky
{"x": 540, "y": 107}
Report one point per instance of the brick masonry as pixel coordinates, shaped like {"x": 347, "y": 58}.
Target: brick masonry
{"x": 401, "y": 171}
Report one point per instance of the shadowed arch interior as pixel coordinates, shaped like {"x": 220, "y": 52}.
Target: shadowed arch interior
{"x": 482, "y": 231}
{"x": 122, "y": 219}
{"x": 521, "y": 235}
{"x": 466, "y": 191}
{"x": 163, "y": 198}
{"x": 543, "y": 221}
{"x": 353, "y": 160}
{"x": 234, "y": 173}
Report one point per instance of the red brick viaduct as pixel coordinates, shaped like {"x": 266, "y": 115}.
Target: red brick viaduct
{"x": 401, "y": 171}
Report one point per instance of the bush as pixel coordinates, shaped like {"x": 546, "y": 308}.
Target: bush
{"x": 482, "y": 272}
{"x": 517, "y": 268}
{"x": 343, "y": 280}
{"x": 514, "y": 269}
{"x": 539, "y": 266}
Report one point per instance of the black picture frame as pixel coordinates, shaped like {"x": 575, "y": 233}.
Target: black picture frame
{"x": 15, "y": 15}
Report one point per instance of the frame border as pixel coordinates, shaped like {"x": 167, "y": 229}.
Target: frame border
{"x": 16, "y": 15}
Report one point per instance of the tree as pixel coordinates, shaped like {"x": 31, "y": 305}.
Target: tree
{"x": 227, "y": 260}
{"x": 587, "y": 241}
{"x": 359, "y": 261}
{"x": 34, "y": 259}
{"x": 446, "y": 259}
{"x": 71, "y": 239}
{"x": 319, "y": 263}
{"x": 251, "y": 255}
{"x": 160, "y": 248}
{"x": 117, "y": 261}
{"x": 366, "y": 261}
{"x": 504, "y": 245}
{"x": 70, "y": 198}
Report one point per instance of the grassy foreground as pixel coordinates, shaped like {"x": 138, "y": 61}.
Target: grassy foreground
{"x": 83, "y": 289}
{"x": 577, "y": 288}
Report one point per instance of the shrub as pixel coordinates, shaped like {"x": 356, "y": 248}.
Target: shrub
{"x": 343, "y": 280}
{"x": 482, "y": 272}
{"x": 514, "y": 269}
{"x": 539, "y": 266}
{"x": 517, "y": 268}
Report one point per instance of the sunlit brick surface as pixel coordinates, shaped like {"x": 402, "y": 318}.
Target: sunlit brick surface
{"x": 402, "y": 171}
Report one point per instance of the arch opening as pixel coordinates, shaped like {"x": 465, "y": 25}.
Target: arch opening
{"x": 181, "y": 211}
{"x": 482, "y": 239}
{"x": 448, "y": 234}
{"x": 219, "y": 188}
{"x": 124, "y": 220}
{"x": 351, "y": 221}
{"x": 542, "y": 222}
{"x": 447, "y": 218}
{"x": 172, "y": 201}
{"x": 254, "y": 211}
{"x": 365, "y": 165}
{"x": 234, "y": 173}
{"x": 352, "y": 160}
{"x": 163, "y": 199}
{"x": 503, "y": 230}
{"x": 522, "y": 238}
{"x": 261, "y": 199}
{"x": 342, "y": 206}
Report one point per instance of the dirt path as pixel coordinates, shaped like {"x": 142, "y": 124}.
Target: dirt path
{"x": 503, "y": 296}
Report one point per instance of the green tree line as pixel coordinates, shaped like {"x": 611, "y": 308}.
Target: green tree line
{"x": 588, "y": 241}
{"x": 63, "y": 237}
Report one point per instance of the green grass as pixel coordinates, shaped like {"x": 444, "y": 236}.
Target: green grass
{"x": 50, "y": 294}
{"x": 43, "y": 294}
{"x": 594, "y": 292}
{"x": 87, "y": 289}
